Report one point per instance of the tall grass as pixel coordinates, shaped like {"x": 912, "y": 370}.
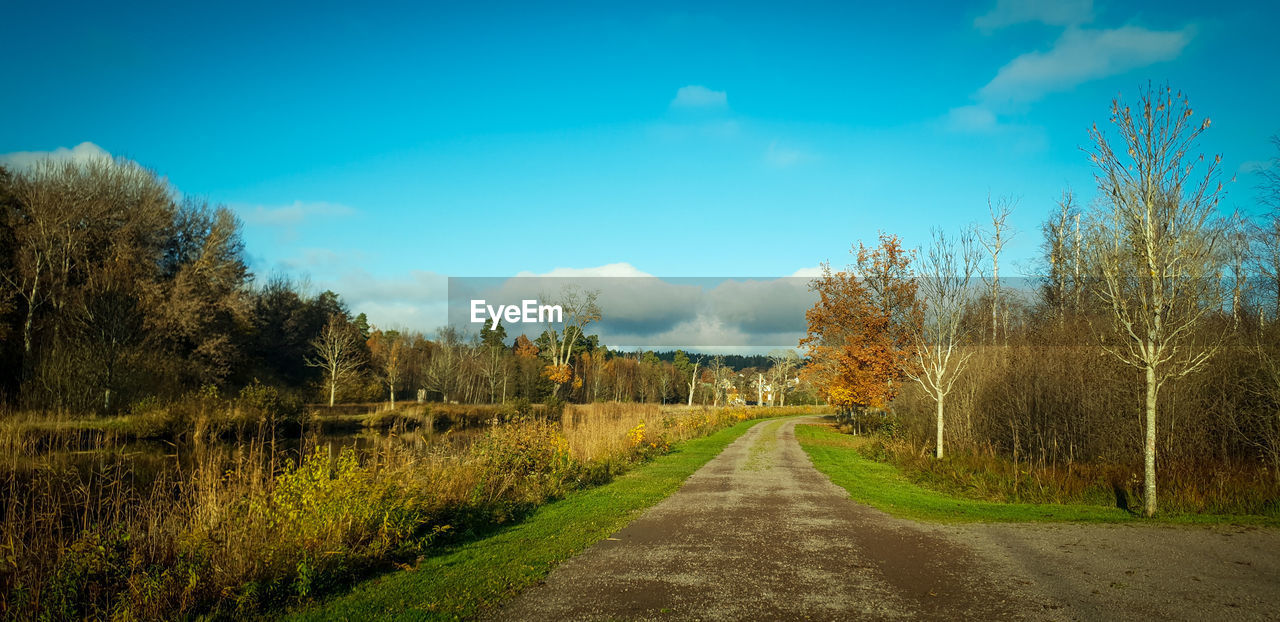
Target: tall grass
{"x": 237, "y": 531}
{"x": 983, "y": 473}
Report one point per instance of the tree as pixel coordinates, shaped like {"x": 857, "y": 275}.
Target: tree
{"x": 939, "y": 338}
{"x": 859, "y": 330}
{"x": 1063, "y": 253}
{"x": 493, "y": 361}
{"x": 784, "y": 362}
{"x": 200, "y": 309}
{"x": 1269, "y": 187}
{"x": 693, "y": 374}
{"x": 445, "y": 364}
{"x": 580, "y": 309}
{"x": 387, "y": 351}
{"x": 337, "y": 352}
{"x": 994, "y": 240}
{"x": 1153, "y": 246}
{"x": 1267, "y": 232}
{"x": 717, "y": 374}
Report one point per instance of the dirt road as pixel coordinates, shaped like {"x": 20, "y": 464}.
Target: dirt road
{"x": 759, "y": 534}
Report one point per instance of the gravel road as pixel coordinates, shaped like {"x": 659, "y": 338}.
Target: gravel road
{"x": 759, "y": 534}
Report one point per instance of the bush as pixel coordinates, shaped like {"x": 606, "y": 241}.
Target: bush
{"x": 532, "y": 458}
{"x": 264, "y": 405}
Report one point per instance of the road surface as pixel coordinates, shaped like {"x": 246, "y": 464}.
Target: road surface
{"x": 759, "y": 534}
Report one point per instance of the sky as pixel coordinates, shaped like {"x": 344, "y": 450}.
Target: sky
{"x": 378, "y": 151}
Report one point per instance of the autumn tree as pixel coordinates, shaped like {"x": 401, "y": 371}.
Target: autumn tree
{"x": 1153, "y": 246}
{"x": 580, "y": 308}
{"x": 337, "y": 352}
{"x": 201, "y": 309}
{"x": 859, "y": 330}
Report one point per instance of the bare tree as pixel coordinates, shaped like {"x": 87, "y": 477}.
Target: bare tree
{"x": 1267, "y": 258}
{"x": 580, "y": 309}
{"x": 493, "y": 364}
{"x": 719, "y": 378}
{"x": 1062, "y": 252}
{"x": 939, "y": 349}
{"x": 784, "y": 363}
{"x": 693, "y": 380}
{"x": 1153, "y": 246}
{"x": 994, "y": 240}
{"x": 389, "y": 357}
{"x": 444, "y": 367}
{"x": 1267, "y": 232}
{"x": 1269, "y": 188}
{"x": 337, "y": 351}
{"x": 1236, "y": 252}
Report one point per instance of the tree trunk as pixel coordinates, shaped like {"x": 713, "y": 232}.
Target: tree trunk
{"x": 1149, "y": 448}
{"x": 939, "y": 452}
{"x": 333, "y": 390}
{"x": 393, "y": 396}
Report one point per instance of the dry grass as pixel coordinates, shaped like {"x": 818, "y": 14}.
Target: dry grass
{"x": 88, "y": 533}
{"x": 1227, "y": 488}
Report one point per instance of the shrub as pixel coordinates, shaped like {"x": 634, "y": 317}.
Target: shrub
{"x": 263, "y": 404}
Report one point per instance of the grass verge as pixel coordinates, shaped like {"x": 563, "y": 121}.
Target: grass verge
{"x": 884, "y": 486}
{"x": 458, "y": 582}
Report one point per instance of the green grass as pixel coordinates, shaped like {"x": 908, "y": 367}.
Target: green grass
{"x": 883, "y": 486}
{"x": 461, "y": 580}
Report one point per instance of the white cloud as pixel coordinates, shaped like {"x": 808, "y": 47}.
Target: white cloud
{"x": 416, "y": 300}
{"x": 1049, "y": 12}
{"x": 83, "y": 152}
{"x": 290, "y": 215}
{"x": 620, "y": 269}
{"x": 1252, "y": 166}
{"x": 783, "y": 157}
{"x": 808, "y": 273}
{"x": 1079, "y": 56}
{"x": 971, "y": 119}
{"x": 697, "y": 96}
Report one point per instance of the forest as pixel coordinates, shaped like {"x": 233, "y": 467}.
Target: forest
{"x": 118, "y": 291}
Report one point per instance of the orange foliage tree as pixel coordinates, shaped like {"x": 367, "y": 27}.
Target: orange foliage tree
{"x": 859, "y": 340}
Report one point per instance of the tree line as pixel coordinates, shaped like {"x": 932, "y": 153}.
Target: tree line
{"x": 115, "y": 288}
{"x": 1151, "y": 337}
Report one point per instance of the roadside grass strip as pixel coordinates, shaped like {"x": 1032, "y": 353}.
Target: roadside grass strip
{"x": 462, "y": 579}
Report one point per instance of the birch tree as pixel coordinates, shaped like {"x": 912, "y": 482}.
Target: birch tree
{"x": 1061, "y": 250}
{"x": 580, "y": 309}
{"x": 693, "y": 380}
{"x": 1153, "y": 246}
{"x": 940, "y": 351}
{"x": 994, "y": 240}
{"x": 387, "y": 348}
{"x": 784, "y": 363}
{"x": 337, "y": 352}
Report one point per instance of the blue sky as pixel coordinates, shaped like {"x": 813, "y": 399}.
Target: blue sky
{"x": 377, "y": 150}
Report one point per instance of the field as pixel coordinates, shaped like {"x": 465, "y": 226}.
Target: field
{"x": 239, "y": 521}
